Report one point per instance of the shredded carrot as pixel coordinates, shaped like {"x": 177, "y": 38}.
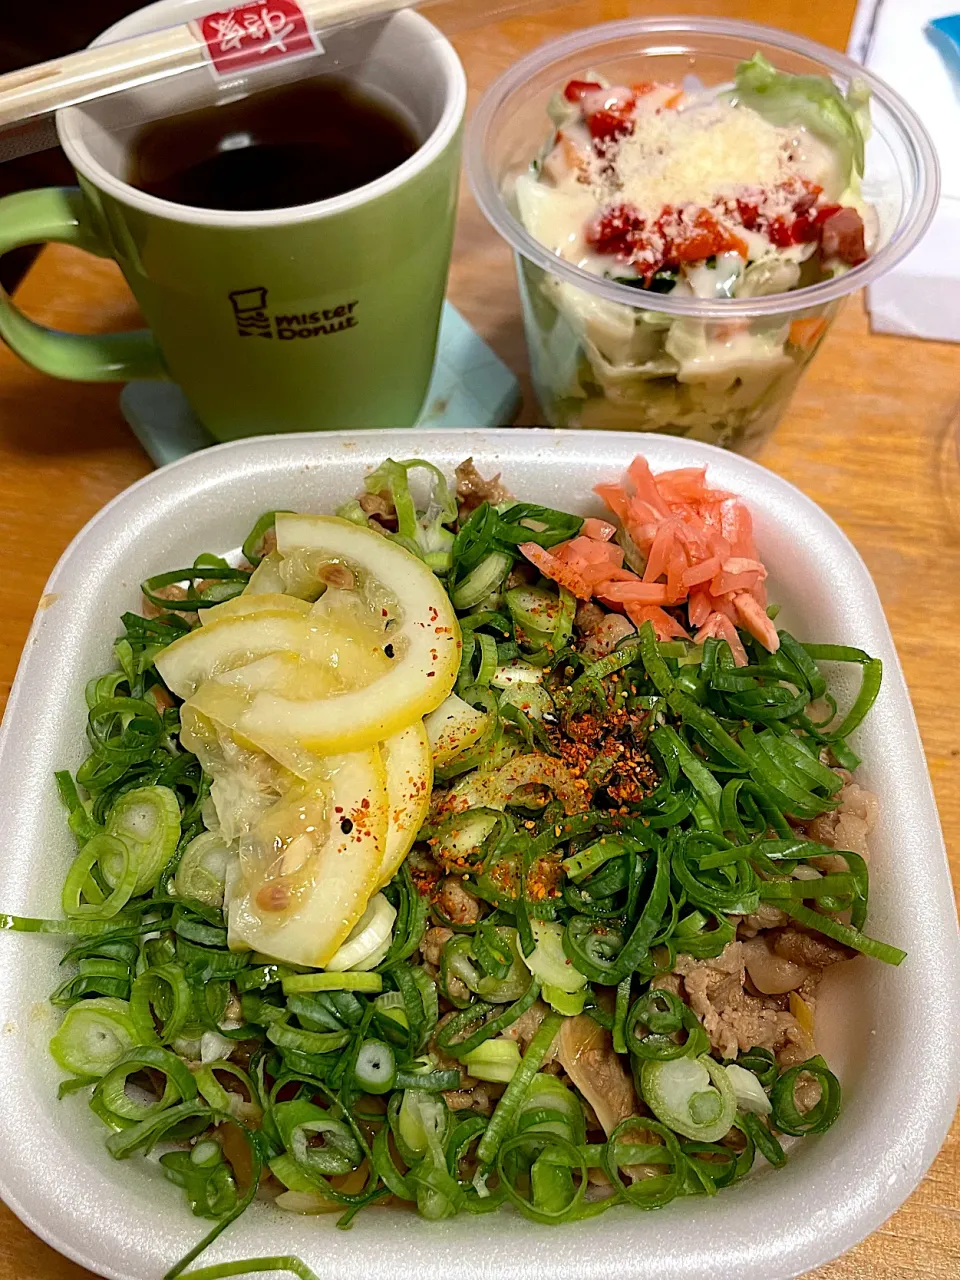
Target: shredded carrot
{"x": 806, "y": 332}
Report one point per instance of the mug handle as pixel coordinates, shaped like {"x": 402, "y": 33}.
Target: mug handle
{"x": 60, "y": 214}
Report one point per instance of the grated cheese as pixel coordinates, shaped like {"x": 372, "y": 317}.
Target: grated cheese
{"x": 693, "y": 157}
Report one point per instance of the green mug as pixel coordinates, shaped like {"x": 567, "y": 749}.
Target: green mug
{"x": 315, "y": 317}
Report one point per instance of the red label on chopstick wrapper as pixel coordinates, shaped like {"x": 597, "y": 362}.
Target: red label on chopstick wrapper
{"x": 251, "y": 35}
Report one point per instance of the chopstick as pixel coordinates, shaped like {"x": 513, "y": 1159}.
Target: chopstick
{"x": 124, "y": 64}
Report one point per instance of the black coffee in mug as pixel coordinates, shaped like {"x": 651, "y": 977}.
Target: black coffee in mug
{"x": 306, "y": 141}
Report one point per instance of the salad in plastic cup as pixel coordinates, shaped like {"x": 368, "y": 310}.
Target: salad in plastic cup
{"x": 689, "y": 202}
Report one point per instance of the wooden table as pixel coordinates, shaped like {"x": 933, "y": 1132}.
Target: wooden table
{"x": 869, "y": 436}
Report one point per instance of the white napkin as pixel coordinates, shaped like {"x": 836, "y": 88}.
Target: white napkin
{"x": 920, "y": 296}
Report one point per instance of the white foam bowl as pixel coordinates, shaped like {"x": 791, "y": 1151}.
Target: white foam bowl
{"x": 891, "y": 1034}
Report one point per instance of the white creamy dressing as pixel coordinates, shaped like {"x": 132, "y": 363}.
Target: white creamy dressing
{"x": 707, "y": 148}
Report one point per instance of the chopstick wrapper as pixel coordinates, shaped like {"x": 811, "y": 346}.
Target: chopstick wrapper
{"x": 920, "y": 297}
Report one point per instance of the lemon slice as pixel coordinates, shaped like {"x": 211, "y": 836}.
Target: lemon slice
{"x": 421, "y": 639}
{"x": 266, "y": 579}
{"x": 228, "y": 643}
{"x": 225, "y": 699}
{"x": 409, "y": 764}
{"x": 246, "y": 782}
{"x": 243, "y": 605}
{"x": 310, "y": 865}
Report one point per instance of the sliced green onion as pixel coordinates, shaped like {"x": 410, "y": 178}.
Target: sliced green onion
{"x": 664, "y": 1016}
{"x": 223, "y": 1270}
{"x": 82, "y": 895}
{"x": 786, "y": 1115}
{"x": 223, "y": 584}
{"x": 693, "y": 1096}
{"x": 761, "y": 1063}
{"x": 749, "y": 1091}
{"x": 371, "y": 983}
{"x": 844, "y": 933}
{"x": 287, "y": 1037}
{"x": 385, "y": 1168}
{"x": 253, "y": 543}
{"x": 553, "y": 1200}
{"x": 475, "y": 1013}
{"x": 80, "y": 822}
{"x": 482, "y": 581}
{"x": 495, "y": 1060}
{"x": 301, "y": 1126}
{"x": 516, "y": 1090}
{"x": 548, "y": 963}
{"x": 163, "y": 991}
{"x": 148, "y": 820}
{"x": 376, "y": 1067}
{"x": 202, "y": 870}
{"x": 422, "y": 533}
{"x": 563, "y": 1001}
{"x": 93, "y": 1036}
{"x": 646, "y": 1193}
{"x": 765, "y": 1142}
{"x": 179, "y": 1084}
{"x": 422, "y": 1119}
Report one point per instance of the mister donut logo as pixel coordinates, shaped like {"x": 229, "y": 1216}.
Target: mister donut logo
{"x": 255, "y": 320}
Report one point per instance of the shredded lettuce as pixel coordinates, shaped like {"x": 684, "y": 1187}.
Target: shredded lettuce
{"x": 814, "y": 102}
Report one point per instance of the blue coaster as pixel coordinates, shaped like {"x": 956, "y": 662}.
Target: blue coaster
{"x": 471, "y": 387}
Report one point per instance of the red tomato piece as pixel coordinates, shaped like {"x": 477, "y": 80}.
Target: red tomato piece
{"x": 748, "y": 213}
{"x": 609, "y": 113}
{"x": 606, "y": 126}
{"x": 780, "y": 231}
{"x": 616, "y": 230}
{"x": 577, "y": 89}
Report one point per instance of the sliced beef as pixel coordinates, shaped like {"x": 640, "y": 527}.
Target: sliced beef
{"x": 586, "y": 1051}
{"x": 811, "y": 950}
{"x": 527, "y": 1026}
{"x": 473, "y": 490}
{"x": 481, "y": 1098}
{"x": 733, "y": 1018}
{"x": 850, "y": 824}
{"x": 433, "y": 943}
{"x": 379, "y": 509}
{"x": 456, "y": 904}
{"x": 766, "y": 916}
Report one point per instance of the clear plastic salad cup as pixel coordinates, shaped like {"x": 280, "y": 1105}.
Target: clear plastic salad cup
{"x": 722, "y": 370}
